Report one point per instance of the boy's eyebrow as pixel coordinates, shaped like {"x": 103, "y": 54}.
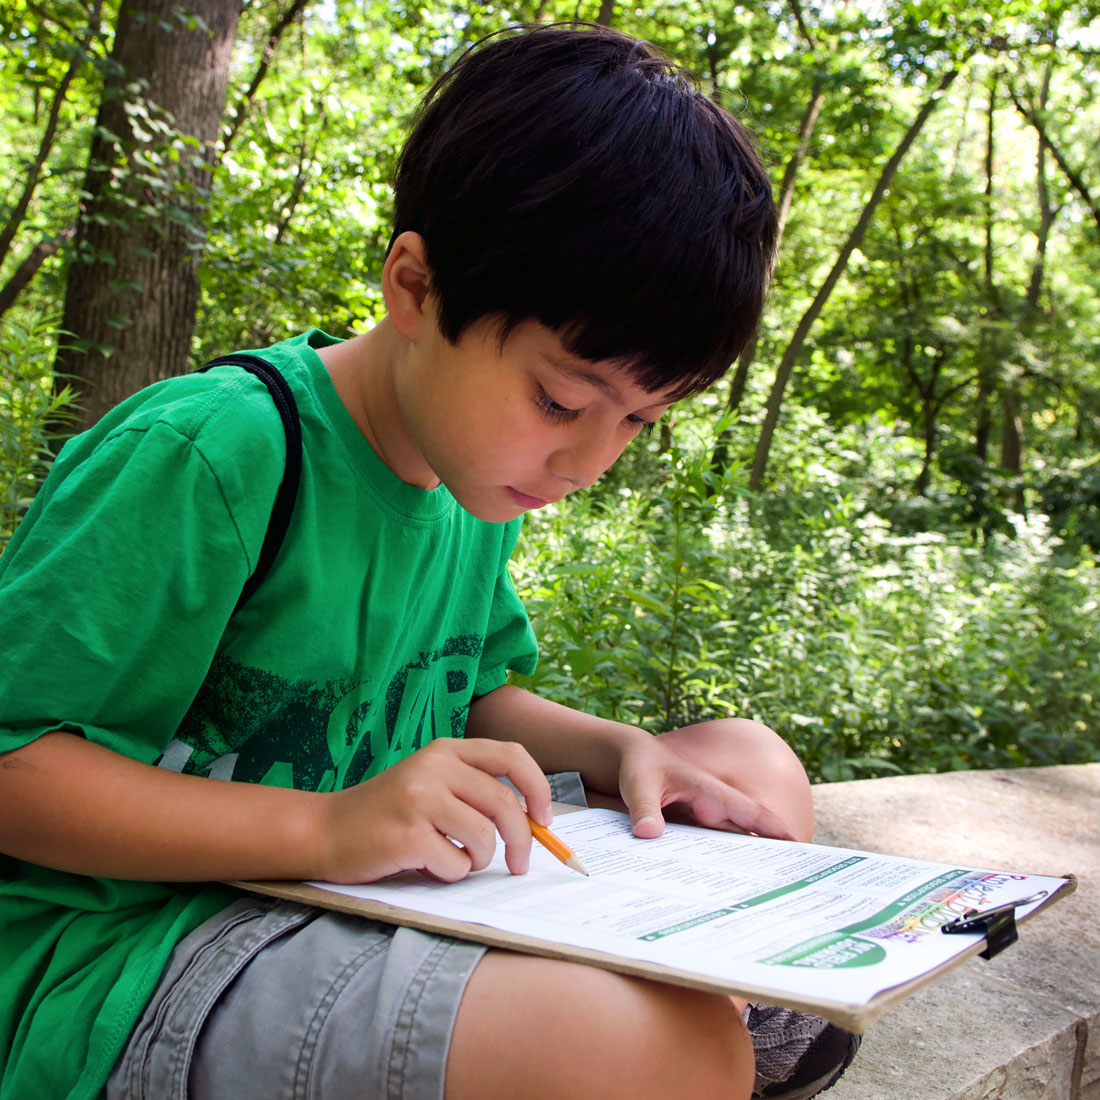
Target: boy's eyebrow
{"x": 604, "y": 385}
{"x": 600, "y": 383}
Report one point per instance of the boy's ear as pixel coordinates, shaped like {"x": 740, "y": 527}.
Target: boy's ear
{"x": 406, "y": 284}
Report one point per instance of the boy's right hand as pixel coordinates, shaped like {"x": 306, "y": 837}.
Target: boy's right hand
{"x": 437, "y": 811}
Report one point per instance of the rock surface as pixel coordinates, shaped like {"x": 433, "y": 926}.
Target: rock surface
{"x": 1026, "y": 1024}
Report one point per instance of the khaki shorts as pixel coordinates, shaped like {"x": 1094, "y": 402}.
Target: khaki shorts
{"x": 272, "y": 1000}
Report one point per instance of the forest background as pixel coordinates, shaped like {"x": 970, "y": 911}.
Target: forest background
{"x": 878, "y": 534}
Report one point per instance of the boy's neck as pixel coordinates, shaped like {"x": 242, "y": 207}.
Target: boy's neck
{"x": 362, "y": 371}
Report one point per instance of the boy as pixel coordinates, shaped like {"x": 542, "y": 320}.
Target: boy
{"x": 581, "y": 238}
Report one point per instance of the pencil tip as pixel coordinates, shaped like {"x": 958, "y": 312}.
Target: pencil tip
{"x": 576, "y": 864}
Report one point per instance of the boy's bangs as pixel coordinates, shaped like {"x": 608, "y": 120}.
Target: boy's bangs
{"x": 676, "y": 320}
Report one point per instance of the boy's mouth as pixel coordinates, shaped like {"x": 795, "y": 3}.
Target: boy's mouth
{"x": 526, "y": 501}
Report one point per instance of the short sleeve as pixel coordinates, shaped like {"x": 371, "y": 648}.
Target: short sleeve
{"x": 509, "y": 641}
{"x": 117, "y": 589}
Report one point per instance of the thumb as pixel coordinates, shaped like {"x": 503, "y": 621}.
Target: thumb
{"x": 644, "y": 803}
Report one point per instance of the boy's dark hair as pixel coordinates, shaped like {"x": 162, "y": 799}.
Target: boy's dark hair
{"x": 574, "y": 176}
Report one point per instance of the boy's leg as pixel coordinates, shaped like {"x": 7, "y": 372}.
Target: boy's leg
{"x": 271, "y": 999}
{"x": 544, "y": 1029}
{"x": 749, "y": 756}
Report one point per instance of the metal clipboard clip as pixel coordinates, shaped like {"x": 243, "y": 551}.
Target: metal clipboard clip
{"x": 998, "y": 924}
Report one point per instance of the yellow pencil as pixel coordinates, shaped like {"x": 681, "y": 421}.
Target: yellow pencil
{"x": 555, "y": 846}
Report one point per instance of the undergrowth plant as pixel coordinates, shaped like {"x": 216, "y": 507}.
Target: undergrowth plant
{"x": 873, "y": 650}
{"x": 32, "y": 410}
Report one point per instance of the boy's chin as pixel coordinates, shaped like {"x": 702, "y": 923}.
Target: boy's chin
{"x": 495, "y": 515}
{"x": 490, "y": 508}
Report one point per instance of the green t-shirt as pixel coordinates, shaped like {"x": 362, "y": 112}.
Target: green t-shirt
{"x": 387, "y": 610}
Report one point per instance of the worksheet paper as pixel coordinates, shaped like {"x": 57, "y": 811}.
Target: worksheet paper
{"x": 819, "y": 923}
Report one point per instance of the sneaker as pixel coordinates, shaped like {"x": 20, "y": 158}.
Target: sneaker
{"x": 798, "y": 1055}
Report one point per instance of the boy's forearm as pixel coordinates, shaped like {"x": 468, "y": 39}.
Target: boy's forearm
{"x": 75, "y": 806}
{"x": 558, "y": 737}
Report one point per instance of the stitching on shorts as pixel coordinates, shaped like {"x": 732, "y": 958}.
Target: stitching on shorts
{"x": 144, "y": 1049}
{"x": 206, "y": 959}
{"x": 261, "y": 938}
{"x": 303, "y": 1068}
{"x": 395, "y": 1070}
{"x": 182, "y": 1000}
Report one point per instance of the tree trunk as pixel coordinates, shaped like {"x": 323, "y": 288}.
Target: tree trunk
{"x": 1047, "y": 211}
{"x": 928, "y": 423}
{"x": 133, "y": 289}
{"x": 1012, "y": 439}
{"x": 720, "y": 458}
{"x": 983, "y": 422}
{"x": 794, "y": 348}
{"x": 1012, "y": 428}
{"x": 988, "y": 362}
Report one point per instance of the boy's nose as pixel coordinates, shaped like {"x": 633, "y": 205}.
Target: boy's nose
{"x": 585, "y": 459}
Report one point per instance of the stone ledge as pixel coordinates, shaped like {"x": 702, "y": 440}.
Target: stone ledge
{"x": 1022, "y": 1026}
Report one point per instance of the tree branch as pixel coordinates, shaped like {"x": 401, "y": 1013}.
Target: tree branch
{"x": 1074, "y": 177}
{"x": 22, "y": 205}
{"x": 29, "y": 266}
{"x": 796, "y": 10}
{"x": 242, "y": 106}
{"x": 794, "y": 348}
{"x": 790, "y": 173}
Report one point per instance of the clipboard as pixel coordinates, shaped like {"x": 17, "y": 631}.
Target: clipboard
{"x": 835, "y": 1006}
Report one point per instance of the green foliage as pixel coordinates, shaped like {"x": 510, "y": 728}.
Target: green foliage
{"x": 871, "y": 651}
{"x": 31, "y": 412}
{"x": 38, "y": 45}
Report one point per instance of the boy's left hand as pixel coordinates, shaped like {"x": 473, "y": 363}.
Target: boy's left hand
{"x": 652, "y": 775}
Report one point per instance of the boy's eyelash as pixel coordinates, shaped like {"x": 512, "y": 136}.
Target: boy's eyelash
{"x": 551, "y": 409}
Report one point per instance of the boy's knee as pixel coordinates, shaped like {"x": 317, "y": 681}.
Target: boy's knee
{"x": 570, "y": 1030}
{"x": 708, "y": 1052}
{"x": 742, "y": 737}
{"x": 669, "y": 1041}
{"x": 755, "y": 759}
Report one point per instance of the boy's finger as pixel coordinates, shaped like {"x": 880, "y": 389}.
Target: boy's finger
{"x": 516, "y": 834}
{"x": 498, "y": 804}
{"x": 712, "y": 803}
{"x": 647, "y": 821}
{"x": 508, "y": 760}
{"x": 463, "y": 821}
{"x": 445, "y": 861}
{"x": 749, "y": 816}
{"x": 644, "y": 802}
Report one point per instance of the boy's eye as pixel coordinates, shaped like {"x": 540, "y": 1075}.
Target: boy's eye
{"x": 551, "y": 409}
{"x": 640, "y": 424}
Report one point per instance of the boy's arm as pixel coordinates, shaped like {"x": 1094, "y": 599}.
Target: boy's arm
{"x": 617, "y": 759}
{"x": 76, "y": 806}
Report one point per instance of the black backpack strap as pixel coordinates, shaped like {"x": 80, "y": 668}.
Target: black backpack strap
{"x": 287, "y": 494}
